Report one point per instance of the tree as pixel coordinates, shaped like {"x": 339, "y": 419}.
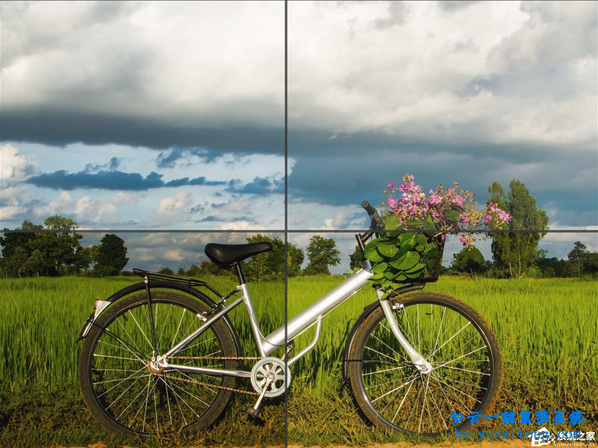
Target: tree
{"x": 357, "y": 260}
{"x": 16, "y": 248}
{"x": 515, "y": 253}
{"x": 321, "y": 253}
{"x": 34, "y": 264}
{"x": 581, "y": 261}
{"x": 41, "y": 253}
{"x": 112, "y": 255}
{"x": 551, "y": 267}
{"x": 59, "y": 247}
{"x": 577, "y": 259}
{"x": 207, "y": 268}
{"x": 269, "y": 266}
{"x": 84, "y": 257}
{"x": 469, "y": 260}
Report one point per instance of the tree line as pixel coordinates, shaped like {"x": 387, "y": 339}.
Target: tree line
{"x": 516, "y": 254}
{"x": 321, "y": 252}
{"x": 54, "y": 249}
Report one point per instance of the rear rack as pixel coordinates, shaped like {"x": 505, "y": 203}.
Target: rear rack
{"x": 190, "y": 282}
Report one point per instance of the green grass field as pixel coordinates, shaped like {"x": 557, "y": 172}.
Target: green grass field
{"x": 546, "y": 328}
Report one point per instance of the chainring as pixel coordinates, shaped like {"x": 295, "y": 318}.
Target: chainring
{"x": 270, "y": 366}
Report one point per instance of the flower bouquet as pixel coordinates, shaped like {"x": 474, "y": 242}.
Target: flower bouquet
{"x": 409, "y": 248}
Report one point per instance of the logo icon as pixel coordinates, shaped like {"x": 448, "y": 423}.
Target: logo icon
{"x": 542, "y": 437}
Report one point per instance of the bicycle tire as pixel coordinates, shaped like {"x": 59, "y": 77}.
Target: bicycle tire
{"x": 453, "y": 337}
{"x": 122, "y": 392}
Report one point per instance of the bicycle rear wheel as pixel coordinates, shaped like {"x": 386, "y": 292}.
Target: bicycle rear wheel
{"x": 128, "y": 395}
{"x": 449, "y": 334}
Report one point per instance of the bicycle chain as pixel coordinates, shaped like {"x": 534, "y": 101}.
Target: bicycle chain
{"x": 199, "y": 383}
{"x": 225, "y": 358}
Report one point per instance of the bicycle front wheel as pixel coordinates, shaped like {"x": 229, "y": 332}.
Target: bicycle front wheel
{"x": 128, "y": 394}
{"x": 453, "y": 338}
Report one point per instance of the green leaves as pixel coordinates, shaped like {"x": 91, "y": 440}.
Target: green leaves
{"x": 402, "y": 257}
{"x": 407, "y": 261}
{"x": 452, "y": 215}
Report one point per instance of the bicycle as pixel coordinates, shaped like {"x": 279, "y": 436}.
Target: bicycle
{"x": 162, "y": 356}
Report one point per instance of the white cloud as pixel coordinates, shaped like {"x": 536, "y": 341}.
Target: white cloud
{"x": 10, "y": 211}
{"x": 174, "y": 205}
{"x": 15, "y": 167}
{"x": 177, "y": 61}
{"x": 153, "y": 240}
{"x": 104, "y": 210}
{"x": 57, "y": 206}
{"x": 560, "y": 244}
{"x": 417, "y": 79}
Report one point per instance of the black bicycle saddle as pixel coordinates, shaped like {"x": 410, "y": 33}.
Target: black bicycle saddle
{"x": 227, "y": 255}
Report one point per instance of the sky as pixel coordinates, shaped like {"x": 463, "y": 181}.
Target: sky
{"x": 170, "y": 115}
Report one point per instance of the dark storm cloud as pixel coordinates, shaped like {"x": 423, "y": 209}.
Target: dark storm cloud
{"x": 212, "y": 218}
{"x": 112, "y": 180}
{"x": 112, "y": 165}
{"x": 334, "y": 179}
{"x": 260, "y": 186}
{"x": 167, "y": 159}
{"x": 61, "y": 127}
{"x": 364, "y": 144}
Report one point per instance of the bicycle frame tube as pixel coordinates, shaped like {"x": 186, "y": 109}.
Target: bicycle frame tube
{"x": 315, "y": 311}
{"x": 312, "y": 314}
{"x": 267, "y": 345}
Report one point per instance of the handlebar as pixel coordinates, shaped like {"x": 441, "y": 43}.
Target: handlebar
{"x": 377, "y": 223}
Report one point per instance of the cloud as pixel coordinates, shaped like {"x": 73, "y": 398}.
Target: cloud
{"x": 55, "y": 207}
{"x": 103, "y": 211}
{"x": 152, "y": 240}
{"x": 112, "y": 180}
{"x": 454, "y": 5}
{"x": 15, "y": 167}
{"x": 260, "y": 186}
{"x": 174, "y": 205}
{"x": 150, "y": 74}
{"x": 167, "y": 159}
{"x": 164, "y": 256}
{"x": 112, "y": 165}
{"x": 397, "y": 15}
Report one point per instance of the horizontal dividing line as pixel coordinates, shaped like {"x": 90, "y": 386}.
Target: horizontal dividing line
{"x": 301, "y": 231}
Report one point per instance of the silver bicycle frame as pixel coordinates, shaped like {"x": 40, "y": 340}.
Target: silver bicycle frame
{"x": 279, "y": 337}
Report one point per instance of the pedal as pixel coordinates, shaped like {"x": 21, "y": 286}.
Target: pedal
{"x": 256, "y": 414}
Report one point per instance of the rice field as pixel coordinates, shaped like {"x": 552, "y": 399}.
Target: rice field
{"x": 546, "y": 328}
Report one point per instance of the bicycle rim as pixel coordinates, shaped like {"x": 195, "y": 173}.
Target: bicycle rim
{"x": 132, "y": 397}
{"x": 465, "y": 360}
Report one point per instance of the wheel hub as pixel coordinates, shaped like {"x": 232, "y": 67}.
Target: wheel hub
{"x": 157, "y": 365}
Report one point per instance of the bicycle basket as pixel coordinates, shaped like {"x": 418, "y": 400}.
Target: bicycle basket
{"x": 405, "y": 258}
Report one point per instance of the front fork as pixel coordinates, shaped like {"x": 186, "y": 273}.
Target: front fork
{"x": 416, "y": 358}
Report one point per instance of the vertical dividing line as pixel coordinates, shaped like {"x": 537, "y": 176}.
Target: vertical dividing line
{"x": 286, "y": 213}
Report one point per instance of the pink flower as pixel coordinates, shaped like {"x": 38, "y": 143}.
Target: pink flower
{"x": 391, "y": 185}
{"x": 488, "y": 217}
{"x": 404, "y": 186}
